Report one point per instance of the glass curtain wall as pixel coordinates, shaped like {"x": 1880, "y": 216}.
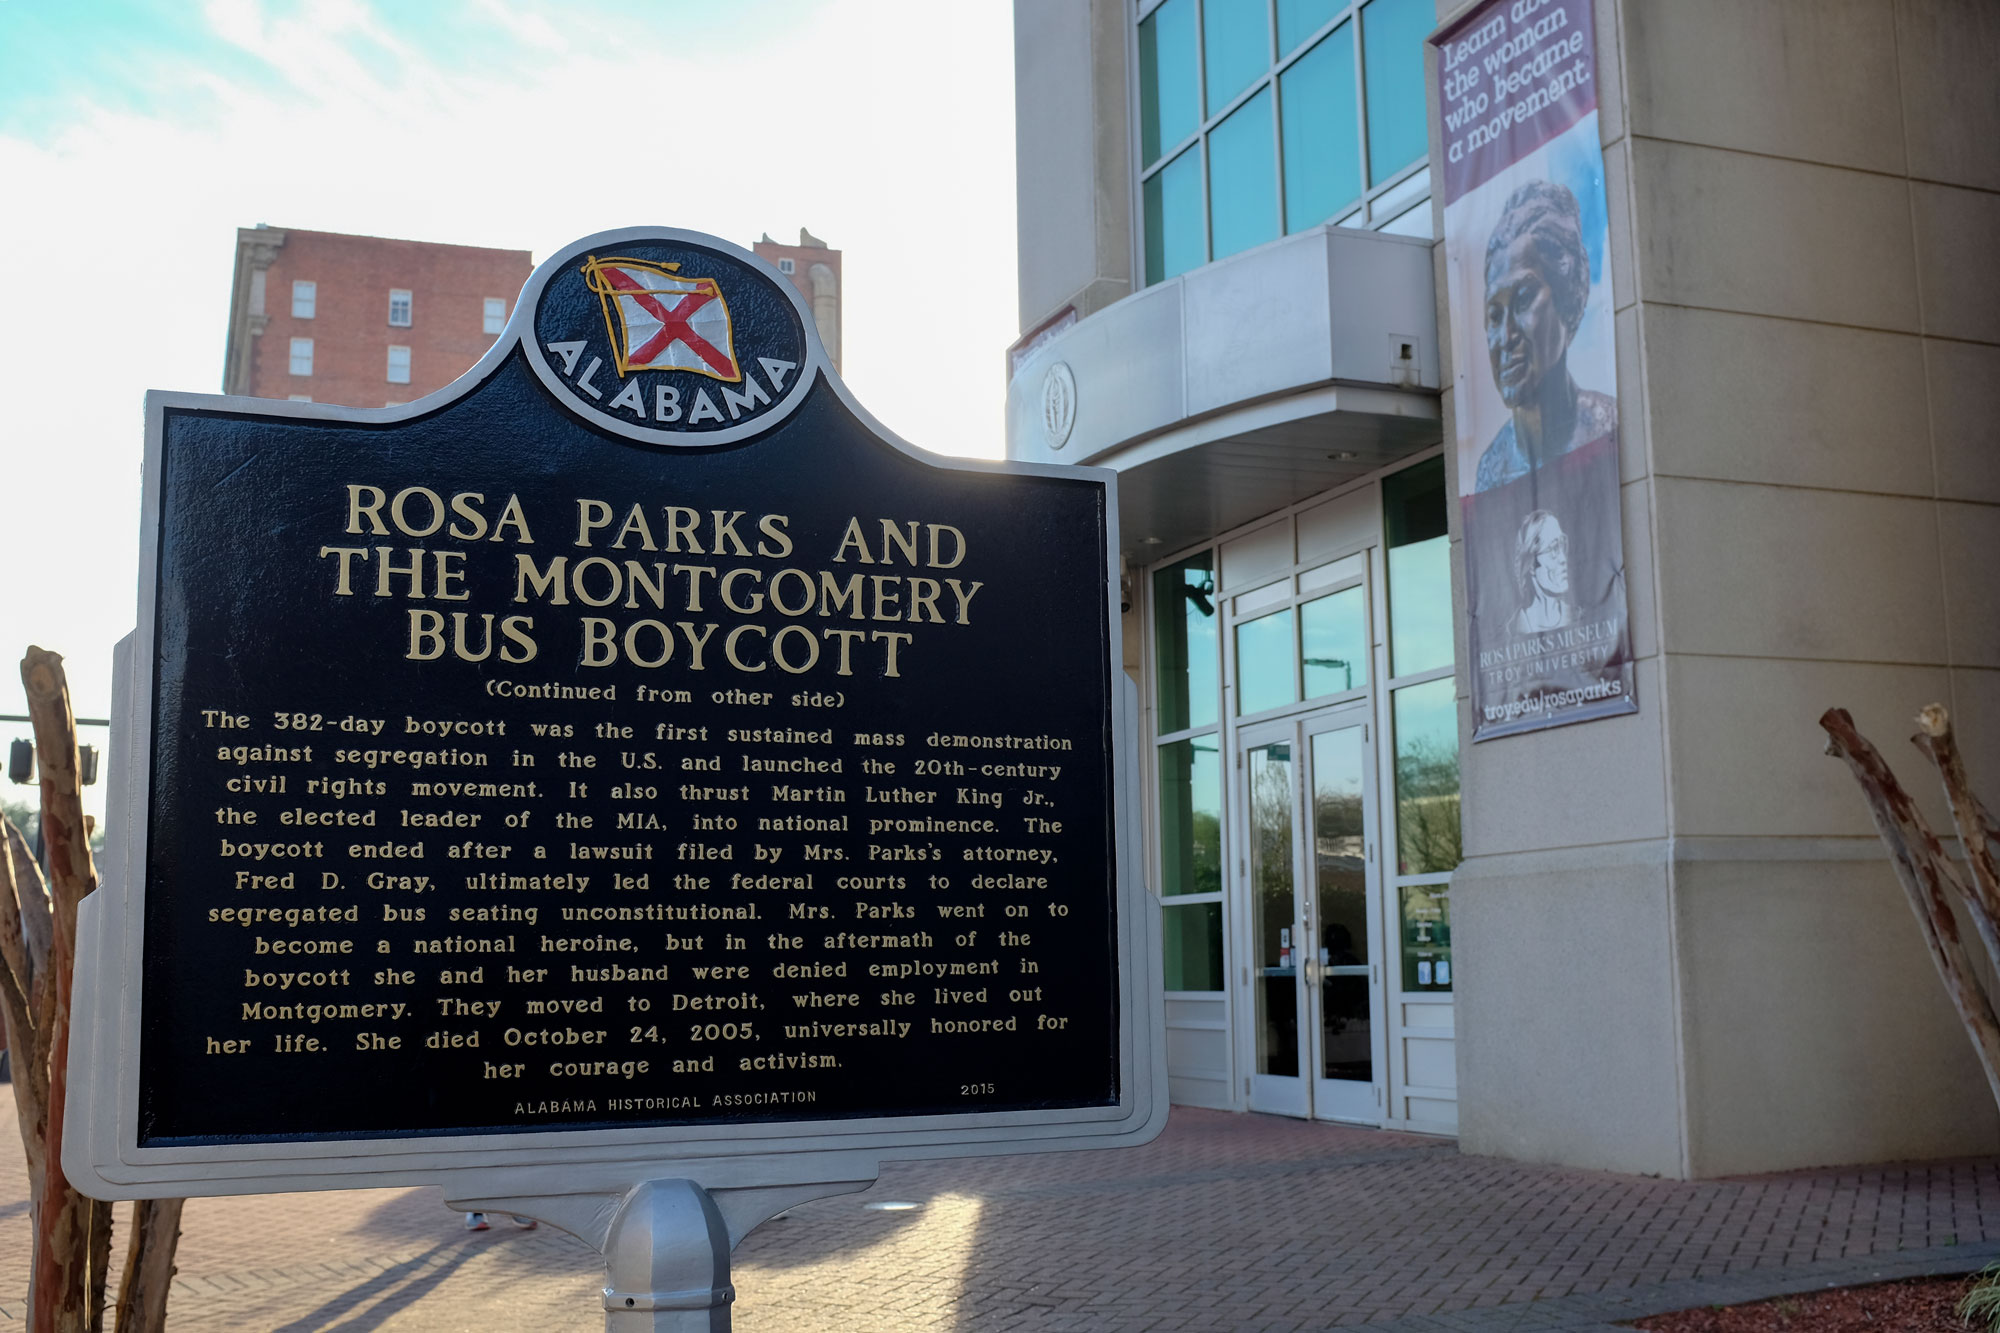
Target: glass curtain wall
{"x": 1308, "y": 648}
{"x": 1258, "y": 118}
{"x": 1423, "y": 716}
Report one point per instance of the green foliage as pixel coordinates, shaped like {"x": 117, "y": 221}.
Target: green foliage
{"x": 1981, "y": 1306}
{"x": 1427, "y": 815}
{"x": 26, "y": 817}
{"x": 1205, "y": 872}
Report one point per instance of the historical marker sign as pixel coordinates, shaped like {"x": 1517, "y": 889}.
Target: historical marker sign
{"x": 631, "y": 754}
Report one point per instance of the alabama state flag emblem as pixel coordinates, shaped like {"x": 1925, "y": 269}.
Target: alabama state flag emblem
{"x": 659, "y": 320}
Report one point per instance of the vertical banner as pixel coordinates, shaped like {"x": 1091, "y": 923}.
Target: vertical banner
{"x": 1526, "y": 257}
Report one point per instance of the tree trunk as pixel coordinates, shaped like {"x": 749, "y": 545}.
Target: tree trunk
{"x": 60, "y": 1294}
{"x": 72, "y": 1235}
{"x": 17, "y": 984}
{"x": 149, "y": 1266}
{"x": 1924, "y": 872}
{"x": 1976, "y": 830}
{"x": 100, "y": 1263}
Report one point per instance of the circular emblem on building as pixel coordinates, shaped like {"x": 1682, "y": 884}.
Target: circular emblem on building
{"x": 666, "y": 337}
{"x": 1058, "y": 404}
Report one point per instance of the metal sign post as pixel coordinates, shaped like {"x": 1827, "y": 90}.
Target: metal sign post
{"x": 628, "y": 788}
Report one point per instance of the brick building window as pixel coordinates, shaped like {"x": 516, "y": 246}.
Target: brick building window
{"x": 787, "y": 266}
{"x": 496, "y": 314}
{"x": 399, "y": 365}
{"x": 304, "y": 296}
{"x": 302, "y": 356}
{"x": 399, "y": 308}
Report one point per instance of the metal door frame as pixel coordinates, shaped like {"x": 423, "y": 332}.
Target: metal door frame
{"x": 1306, "y": 1095}
{"x": 1340, "y": 1099}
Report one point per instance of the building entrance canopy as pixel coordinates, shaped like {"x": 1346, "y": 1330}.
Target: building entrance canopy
{"x": 1244, "y": 386}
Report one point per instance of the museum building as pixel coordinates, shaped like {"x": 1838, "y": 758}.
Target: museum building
{"x": 1658, "y": 939}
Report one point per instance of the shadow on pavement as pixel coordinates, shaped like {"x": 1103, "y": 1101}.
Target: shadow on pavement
{"x": 417, "y": 1278}
{"x": 416, "y": 1215}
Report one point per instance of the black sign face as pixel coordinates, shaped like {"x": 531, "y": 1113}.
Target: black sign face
{"x": 511, "y": 773}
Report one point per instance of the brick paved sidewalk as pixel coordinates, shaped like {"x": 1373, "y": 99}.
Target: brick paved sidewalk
{"x": 1227, "y": 1222}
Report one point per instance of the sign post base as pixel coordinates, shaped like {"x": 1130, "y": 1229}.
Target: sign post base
{"x": 666, "y": 1262}
{"x": 666, "y": 1242}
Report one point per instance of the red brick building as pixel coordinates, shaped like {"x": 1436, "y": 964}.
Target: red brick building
{"x": 815, "y": 271}
{"x": 363, "y": 321}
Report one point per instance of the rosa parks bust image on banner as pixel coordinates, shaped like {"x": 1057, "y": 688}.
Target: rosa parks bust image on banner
{"x": 1537, "y": 285}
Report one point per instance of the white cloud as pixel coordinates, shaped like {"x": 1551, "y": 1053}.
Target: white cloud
{"x": 886, "y": 126}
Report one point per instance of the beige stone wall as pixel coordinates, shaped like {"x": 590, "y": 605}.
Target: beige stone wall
{"x": 1818, "y": 319}
{"x": 1804, "y": 196}
{"x": 1568, "y": 1020}
{"x": 1073, "y": 155}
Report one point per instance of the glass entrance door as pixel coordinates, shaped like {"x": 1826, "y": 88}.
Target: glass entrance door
{"x": 1343, "y": 975}
{"x": 1277, "y": 933}
{"x": 1308, "y": 871}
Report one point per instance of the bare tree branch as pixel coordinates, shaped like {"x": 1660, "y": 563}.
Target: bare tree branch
{"x": 15, "y": 967}
{"x": 31, "y": 893}
{"x": 1976, "y": 833}
{"x": 25, "y": 1038}
{"x": 1921, "y": 867}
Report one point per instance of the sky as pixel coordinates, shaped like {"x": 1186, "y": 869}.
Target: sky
{"x": 136, "y": 136}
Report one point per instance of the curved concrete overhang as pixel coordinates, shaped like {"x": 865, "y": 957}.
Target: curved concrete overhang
{"x": 1242, "y": 386}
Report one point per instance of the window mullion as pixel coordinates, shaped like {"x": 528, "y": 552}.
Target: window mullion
{"x": 1202, "y": 121}
{"x": 1170, "y": 155}
{"x": 1421, "y": 677}
{"x": 1286, "y": 59}
{"x": 1277, "y": 121}
{"x": 1361, "y": 108}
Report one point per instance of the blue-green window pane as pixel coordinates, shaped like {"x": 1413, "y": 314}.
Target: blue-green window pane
{"x": 1168, "y": 94}
{"x": 1243, "y": 179}
{"x": 1322, "y": 144}
{"x": 1413, "y": 522}
{"x": 1264, "y": 663}
{"x": 1191, "y": 816}
{"x": 1300, "y": 19}
{"x": 1427, "y": 827}
{"x": 1392, "y": 42}
{"x": 1173, "y": 217}
{"x": 1334, "y": 643}
{"x": 1184, "y": 643}
{"x": 1192, "y": 940}
{"x": 1236, "y": 43}
{"x": 1420, "y": 607}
